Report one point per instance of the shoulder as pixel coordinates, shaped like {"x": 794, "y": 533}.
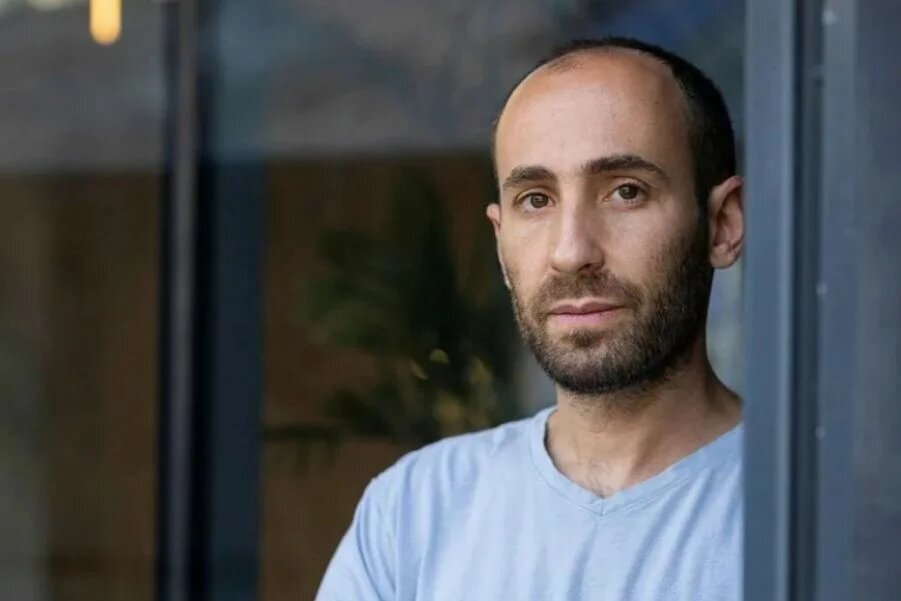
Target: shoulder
{"x": 450, "y": 465}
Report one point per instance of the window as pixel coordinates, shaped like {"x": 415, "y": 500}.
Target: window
{"x": 80, "y": 188}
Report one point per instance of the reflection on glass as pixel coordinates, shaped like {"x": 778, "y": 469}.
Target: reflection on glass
{"x": 392, "y": 331}
{"x": 106, "y": 21}
{"x": 79, "y": 195}
{"x": 400, "y": 298}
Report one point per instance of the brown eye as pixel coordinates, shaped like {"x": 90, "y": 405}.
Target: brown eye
{"x": 535, "y": 201}
{"x": 627, "y": 195}
{"x": 628, "y": 192}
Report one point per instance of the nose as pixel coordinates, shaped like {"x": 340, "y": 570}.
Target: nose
{"x": 576, "y": 241}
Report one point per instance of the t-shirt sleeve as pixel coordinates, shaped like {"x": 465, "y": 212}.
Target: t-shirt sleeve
{"x": 362, "y": 568}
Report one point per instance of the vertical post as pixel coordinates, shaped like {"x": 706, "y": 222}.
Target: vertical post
{"x": 771, "y": 101}
{"x": 876, "y": 212}
{"x": 806, "y": 332}
{"x": 178, "y": 311}
{"x": 231, "y": 384}
{"x": 210, "y": 351}
{"x": 836, "y": 292}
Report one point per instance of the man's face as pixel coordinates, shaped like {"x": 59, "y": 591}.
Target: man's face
{"x": 598, "y": 226}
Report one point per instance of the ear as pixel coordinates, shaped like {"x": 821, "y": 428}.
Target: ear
{"x": 726, "y": 222}
{"x": 493, "y": 212}
{"x": 494, "y": 216}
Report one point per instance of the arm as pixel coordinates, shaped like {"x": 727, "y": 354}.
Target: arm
{"x": 362, "y": 568}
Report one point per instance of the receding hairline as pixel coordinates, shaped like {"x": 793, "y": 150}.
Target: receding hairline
{"x": 577, "y": 58}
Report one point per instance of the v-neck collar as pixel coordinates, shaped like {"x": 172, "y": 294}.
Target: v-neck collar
{"x": 726, "y": 446}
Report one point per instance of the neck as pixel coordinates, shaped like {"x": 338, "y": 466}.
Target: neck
{"x": 609, "y": 442}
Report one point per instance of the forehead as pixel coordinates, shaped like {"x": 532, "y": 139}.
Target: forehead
{"x": 600, "y": 104}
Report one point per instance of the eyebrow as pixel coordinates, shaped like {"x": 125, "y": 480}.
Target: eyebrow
{"x": 530, "y": 174}
{"x": 623, "y": 162}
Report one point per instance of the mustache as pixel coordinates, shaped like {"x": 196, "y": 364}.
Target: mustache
{"x": 601, "y": 284}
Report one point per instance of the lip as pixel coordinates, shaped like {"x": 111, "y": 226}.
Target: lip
{"x": 580, "y": 314}
{"x": 583, "y": 307}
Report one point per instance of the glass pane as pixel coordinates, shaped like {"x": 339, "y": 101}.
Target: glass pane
{"x": 80, "y": 181}
{"x": 387, "y": 323}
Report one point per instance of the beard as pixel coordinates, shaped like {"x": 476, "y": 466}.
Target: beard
{"x": 665, "y": 321}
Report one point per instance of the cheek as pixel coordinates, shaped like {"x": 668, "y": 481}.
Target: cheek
{"x": 638, "y": 251}
{"x": 524, "y": 259}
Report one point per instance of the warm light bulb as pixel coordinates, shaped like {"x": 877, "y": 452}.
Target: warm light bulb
{"x": 106, "y": 21}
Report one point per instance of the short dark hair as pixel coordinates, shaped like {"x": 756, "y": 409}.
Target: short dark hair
{"x": 710, "y": 128}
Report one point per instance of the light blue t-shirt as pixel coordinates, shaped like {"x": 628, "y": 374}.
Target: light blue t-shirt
{"x": 488, "y": 517}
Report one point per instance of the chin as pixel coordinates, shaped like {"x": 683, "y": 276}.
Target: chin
{"x": 582, "y": 360}
{"x": 585, "y": 340}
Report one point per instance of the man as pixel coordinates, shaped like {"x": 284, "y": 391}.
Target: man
{"x": 618, "y": 197}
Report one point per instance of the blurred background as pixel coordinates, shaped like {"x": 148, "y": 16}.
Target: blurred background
{"x": 347, "y": 306}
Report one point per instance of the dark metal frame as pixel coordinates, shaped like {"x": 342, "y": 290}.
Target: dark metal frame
{"x": 836, "y": 295}
{"x": 178, "y": 310}
{"x": 799, "y": 298}
{"x": 211, "y": 332}
{"x": 771, "y": 98}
